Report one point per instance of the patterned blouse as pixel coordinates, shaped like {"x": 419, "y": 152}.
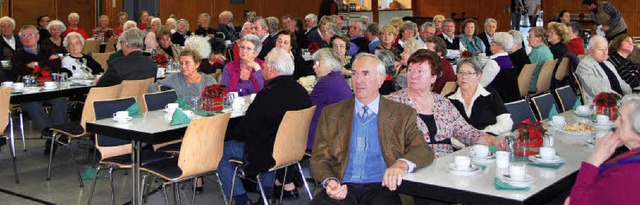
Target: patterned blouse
{"x": 449, "y": 122}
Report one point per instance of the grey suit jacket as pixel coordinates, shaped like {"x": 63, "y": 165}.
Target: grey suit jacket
{"x": 594, "y": 80}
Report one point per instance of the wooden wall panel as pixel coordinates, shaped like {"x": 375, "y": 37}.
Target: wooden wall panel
{"x": 85, "y": 8}
{"x": 481, "y": 9}
{"x": 630, "y": 11}
{"x": 106, "y": 8}
{"x": 26, "y": 12}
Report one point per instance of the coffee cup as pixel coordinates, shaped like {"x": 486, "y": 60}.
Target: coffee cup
{"x": 558, "y": 120}
{"x": 502, "y": 159}
{"x": 7, "y": 84}
{"x": 462, "y": 162}
{"x": 18, "y": 86}
{"x": 233, "y": 96}
{"x": 171, "y": 107}
{"x": 121, "y": 115}
{"x": 601, "y": 119}
{"x": 517, "y": 172}
{"x": 161, "y": 72}
{"x": 480, "y": 150}
{"x": 547, "y": 153}
{"x": 252, "y": 96}
{"x": 49, "y": 84}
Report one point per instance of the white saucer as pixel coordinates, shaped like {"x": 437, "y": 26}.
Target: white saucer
{"x": 538, "y": 159}
{"x": 463, "y": 172}
{"x": 582, "y": 114}
{"x": 483, "y": 160}
{"x": 524, "y": 182}
{"x": 603, "y": 126}
{"x": 31, "y": 89}
{"x": 122, "y": 120}
{"x": 168, "y": 111}
{"x": 590, "y": 143}
{"x": 491, "y": 155}
{"x": 50, "y": 88}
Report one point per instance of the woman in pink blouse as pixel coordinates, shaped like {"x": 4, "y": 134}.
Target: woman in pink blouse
{"x": 605, "y": 180}
{"x": 438, "y": 119}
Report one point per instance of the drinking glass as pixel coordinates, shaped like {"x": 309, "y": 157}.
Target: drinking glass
{"x": 195, "y": 103}
{"x": 63, "y": 77}
{"x": 29, "y": 80}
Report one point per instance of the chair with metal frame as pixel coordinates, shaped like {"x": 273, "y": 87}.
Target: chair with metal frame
{"x": 5, "y": 119}
{"x": 544, "y": 78}
{"x": 137, "y": 89}
{"x": 157, "y": 101}
{"x": 78, "y": 131}
{"x": 288, "y": 149}
{"x": 566, "y": 97}
{"x": 520, "y": 110}
{"x": 116, "y": 153}
{"x": 200, "y": 154}
{"x": 525, "y": 78}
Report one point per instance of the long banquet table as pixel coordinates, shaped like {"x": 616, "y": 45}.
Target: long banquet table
{"x": 434, "y": 181}
{"x": 153, "y": 127}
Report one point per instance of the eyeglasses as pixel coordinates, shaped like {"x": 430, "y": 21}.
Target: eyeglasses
{"x": 421, "y": 72}
{"x": 75, "y": 43}
{"x": 246, "y": 48}
{"x": 5, "y": 26}
{"x": 466, "y": 74}
{"x": 28, "y": 35}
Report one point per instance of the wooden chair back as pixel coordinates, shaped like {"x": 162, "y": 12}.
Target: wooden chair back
{"x": 524, "y": 78}
{"x": 448, "y": 88}
{"x": 111, "y": 45}
{"x": 96, "y": 94}
{"x": 111, "y": 105}
{"x": 92, "y": 46}
{"x": 544, "y": 78}
{"x": 102, "y": 58}
{"x": 202, "y": 145}
{"x": 563, "y": 69}
{"x": 216, "y": 75}
{"x": 5, "y": 96}
{"x": 581, "y": 56}
{"x": 137, "y": 89}
{"x": 291, "y": 139}
{"x": 575, "y": 77}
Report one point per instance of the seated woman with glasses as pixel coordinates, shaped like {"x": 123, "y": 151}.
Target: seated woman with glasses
{"x": 244, "y": 74}
{"x": 437, "y": 118}
{"x": 482, "y": 108}
{"x": 78, "y": 65}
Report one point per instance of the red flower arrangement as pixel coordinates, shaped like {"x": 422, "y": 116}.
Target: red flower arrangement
{"x": 161, "y": 59}
{"x": 42, "y": 73}
{"x": 530, "y": 138}
{"x": 466, "y": 54}
{"x": 213, "y": 96}
{"x": 607, "y": 104}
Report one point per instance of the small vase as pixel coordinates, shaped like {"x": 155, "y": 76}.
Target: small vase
{"x": 218, "y": 103}
{"x": 525, "y": 147}
{"x": 609, "y": 111}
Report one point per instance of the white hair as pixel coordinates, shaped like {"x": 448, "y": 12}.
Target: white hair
{"x": 74, "y": 15}
{"x": 503, "y": 39}
{"x": 632, "y": 102}
{"x": 595, "y": 39}
{"x": 10, "y": 20}
{"x": 228, "y": 14}
{"x": 490, "y": 20}
{"x": 200, "y": 44}
{"x": 329, "y": 57}
{"x": 280, "y": 60}
{"x": 413, "y": 45}
{"x": 517, "y": 37}
{"x": 380, "y": 69}
{"x": 171, "y": 21}
{"x": 128, "y": 23}
{"x": 253, "y": 39}
{"x": 311, "y": 17}
{"x": 132, "y": 37}
{"x": 56, "y": 23}
{"x": 65, "y": 43}
{"x": 154, "y": 20}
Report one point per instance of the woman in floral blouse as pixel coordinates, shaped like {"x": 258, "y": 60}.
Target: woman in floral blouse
{"x": 438, "y": 119}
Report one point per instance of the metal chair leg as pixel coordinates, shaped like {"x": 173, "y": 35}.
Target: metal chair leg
{"x": 284, "y": 181}
{"x": 306, "y": 186}
{"x": 24, "y": 144}
{"x": 144, "y": 179}
{"x": 176, "y": 194}
{"x": 195, "y": 183}
{"x": 164, "y": 191}
{"x": 113, "y": 191}
{"x": 13, "y": 161}
{"x": 264, "y": 197}
{"x": 93, "y": 185}
{"x": 53, "y": 141}
{"x": 75, "y": 163}
{"x": 233, "y": 184}
{"x": 222, "y": 192}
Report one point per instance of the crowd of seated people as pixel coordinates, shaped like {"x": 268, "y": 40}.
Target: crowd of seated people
{"x": 417, "y": 62}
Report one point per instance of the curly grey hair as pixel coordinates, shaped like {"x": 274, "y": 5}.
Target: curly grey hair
{"x": 57, "y": 23}
{"x": 253, "y": 39}
{"x": 132, "y": 37}
{"x": 503, "y": 39}
{"x": 10, "y": 20}
{"x": 65, "y": 43}
{"x": 280, "y": 60}
{"x": 474, "y": 62}
{"x": 332, "y": 28}
{"x": 388, "y": 58}
{"x": 200, "y": 44}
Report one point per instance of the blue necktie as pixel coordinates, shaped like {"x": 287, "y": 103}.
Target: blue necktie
{"x": 365, "y": 113}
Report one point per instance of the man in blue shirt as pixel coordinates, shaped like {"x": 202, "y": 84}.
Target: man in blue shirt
{"x": 364, "y": 146}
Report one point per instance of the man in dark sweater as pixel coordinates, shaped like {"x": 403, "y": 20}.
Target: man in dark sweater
{"x": 133, "y": 66}
{"x": 358, "y": 42}
{"x": 454, "y": 47}
{"x": 24, "y": 61}
{"x": 280, "y": 94}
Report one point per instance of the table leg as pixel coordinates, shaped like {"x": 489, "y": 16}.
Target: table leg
{"x": 135, "y": 173}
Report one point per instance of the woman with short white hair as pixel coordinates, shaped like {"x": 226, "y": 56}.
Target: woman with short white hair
{"x": 79, "y": 66}
{"x": 150, "y": 41}
{"x": 129, "y": 24}
{"x": 203, "y": 25}
{"x": 202, "y": 46}
{"x": 74, "y": 19}
{"x": 182, "y": 32}
{"x": 244, "y": 74}
{"x": 498, "y": 72}
{"x": 55, "y": 28}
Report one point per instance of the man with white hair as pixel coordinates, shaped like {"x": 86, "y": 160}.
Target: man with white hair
{"x": 596, "y": 74}
{"x": 365, "y": 145}
{"x": 427, "y": 29}
{"x": 280, "y": 94}
{"x": 225, "y": 25}
{"x": 490, "y": 26}
{"x": 133, "y": 66}
{"x": 10, "y": 42}
{"x": 311, "y": 22}
{"x": 359, "y": 43}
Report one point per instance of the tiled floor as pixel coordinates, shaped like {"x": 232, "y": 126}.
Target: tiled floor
{"x": 63, "y": 188}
